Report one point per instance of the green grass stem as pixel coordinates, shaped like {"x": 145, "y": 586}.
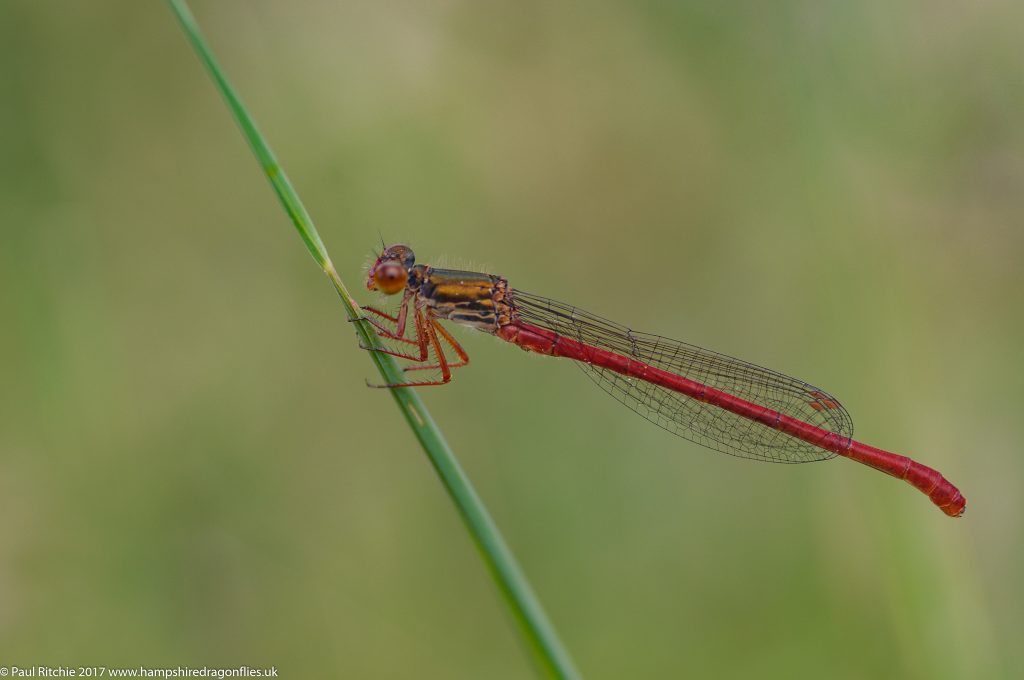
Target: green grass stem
{"x": 542, "y": 640}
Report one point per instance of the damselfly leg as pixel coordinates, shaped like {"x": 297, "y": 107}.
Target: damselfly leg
{"x": 426, "y": 339}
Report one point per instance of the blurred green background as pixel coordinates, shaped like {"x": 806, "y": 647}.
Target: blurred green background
{"x": 192, "y": 472}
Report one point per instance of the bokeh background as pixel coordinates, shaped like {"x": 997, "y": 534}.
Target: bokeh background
{"x": 192, "y": 472}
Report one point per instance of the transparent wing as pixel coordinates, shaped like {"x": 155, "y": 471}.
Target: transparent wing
{"x": 681, "y": 415}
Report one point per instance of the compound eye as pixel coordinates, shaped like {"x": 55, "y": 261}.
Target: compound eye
{"x": 390, "y": 278}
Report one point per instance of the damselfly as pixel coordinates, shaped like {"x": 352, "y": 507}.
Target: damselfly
{"x": 703, "y": 396}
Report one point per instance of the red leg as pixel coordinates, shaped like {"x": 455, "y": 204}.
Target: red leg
{"x": 427, "y": 332}
{"x": 463, "y": 357}
{"x": 378, "y": 312}
{"x": 399, "y": 321}
{"x": 382, "y": 330}
{"x": 421, "y": 340}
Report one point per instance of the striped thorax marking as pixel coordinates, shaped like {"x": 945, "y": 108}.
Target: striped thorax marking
{"x": 467, "y": 298}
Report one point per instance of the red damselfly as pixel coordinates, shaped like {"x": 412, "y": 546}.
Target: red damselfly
{"x": 703, "y": 396}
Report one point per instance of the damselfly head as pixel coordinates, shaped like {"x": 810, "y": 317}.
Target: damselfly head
{"x": 390, "y": 272}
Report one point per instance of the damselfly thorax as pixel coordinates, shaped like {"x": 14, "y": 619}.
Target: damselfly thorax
{"x": 467, "y": 298}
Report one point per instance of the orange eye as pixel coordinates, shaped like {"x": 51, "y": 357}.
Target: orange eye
{"x": 390, "y": 278}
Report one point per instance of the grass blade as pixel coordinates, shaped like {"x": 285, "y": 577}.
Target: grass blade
{"x": 548, "y": 652}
